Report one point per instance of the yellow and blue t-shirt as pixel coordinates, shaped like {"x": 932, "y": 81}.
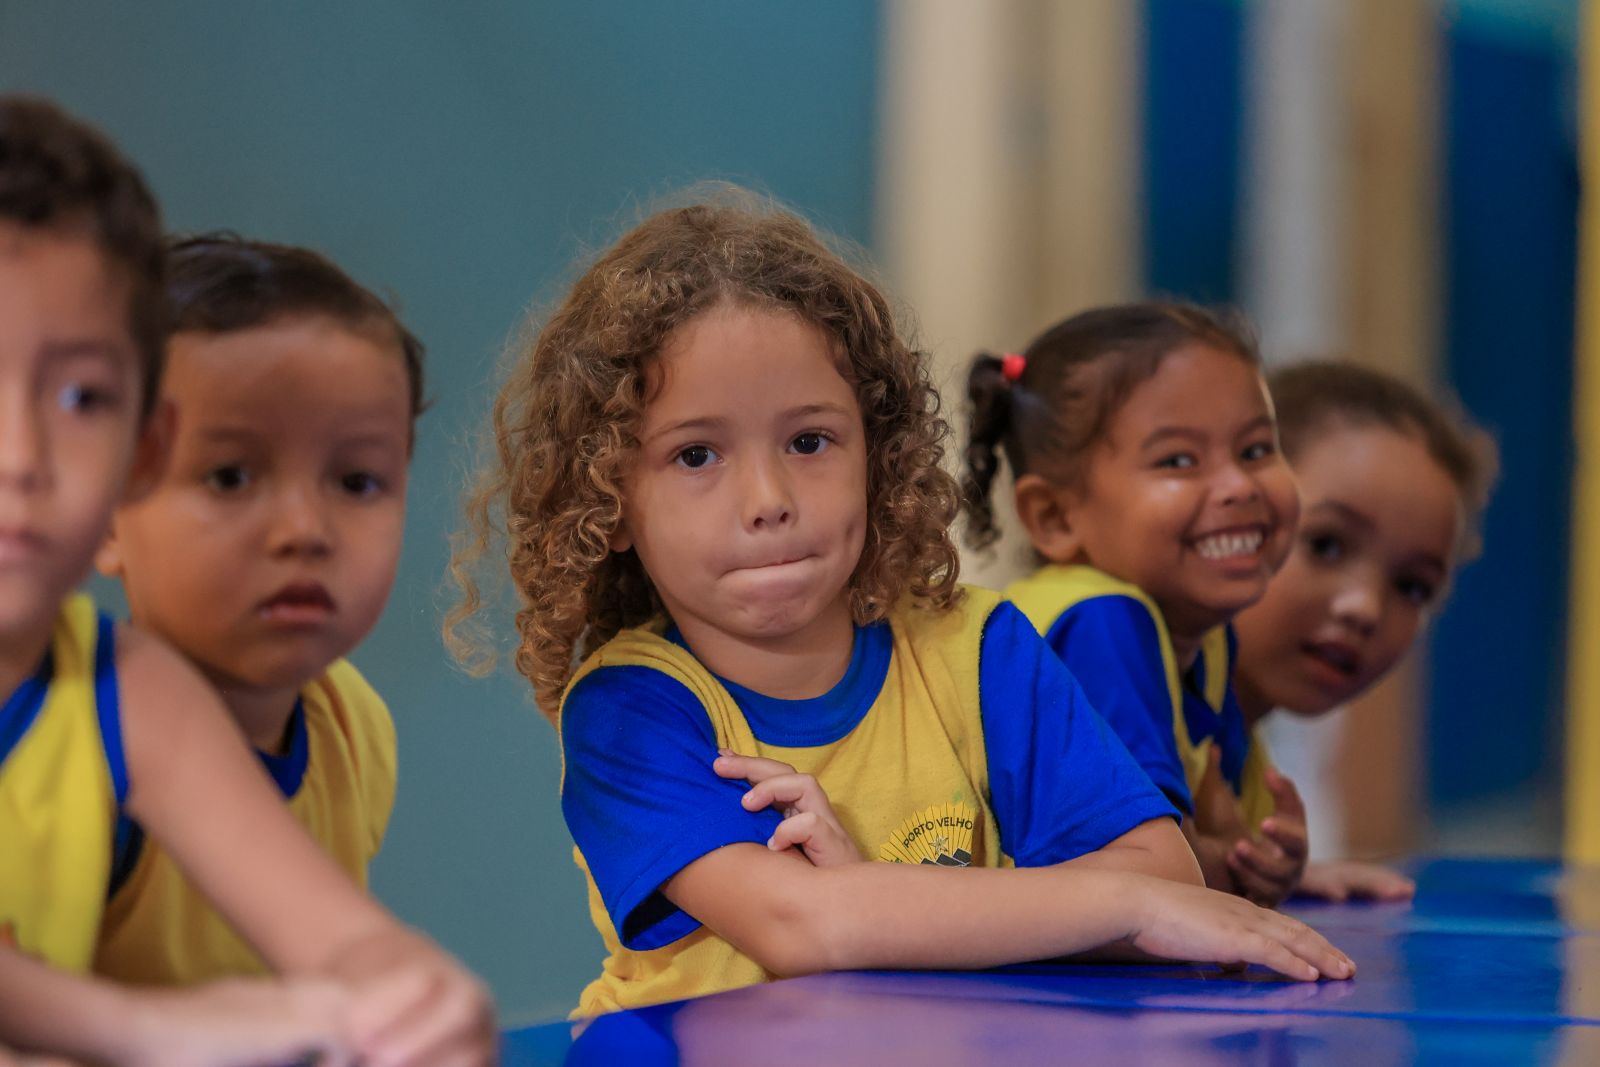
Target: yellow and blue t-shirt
{"x": 62, "y": 781}
{"x": 954, "y": 738}
{"x": 338, "y": 778}
{"x": 1111, "y": 636}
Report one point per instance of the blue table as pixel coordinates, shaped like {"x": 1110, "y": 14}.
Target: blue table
{"x": 1495, "y": 962}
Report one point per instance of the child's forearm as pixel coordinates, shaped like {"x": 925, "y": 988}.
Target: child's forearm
{"x": 1157, "y": 848}
{"x": 46, "y": 1010}
{"x": 793, "y": 918}
{"x": 797, "y": 919}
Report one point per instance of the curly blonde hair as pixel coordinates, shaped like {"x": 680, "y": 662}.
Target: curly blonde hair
{"x": 566, "y": 422}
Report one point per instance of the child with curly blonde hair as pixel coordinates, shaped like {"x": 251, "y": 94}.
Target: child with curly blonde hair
{"x": 718, "y": 477}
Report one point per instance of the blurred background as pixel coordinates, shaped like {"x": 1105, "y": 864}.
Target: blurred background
{"x": 1391, "y": 180}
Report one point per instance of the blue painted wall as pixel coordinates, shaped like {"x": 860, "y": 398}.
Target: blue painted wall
{"x": 459, "y": 157}
{"x": 1510, "y": 180}
{"x": 1193, "y": 81}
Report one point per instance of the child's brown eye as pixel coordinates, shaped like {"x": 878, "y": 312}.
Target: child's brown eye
{"x": 228, "y": 479}
{"x": 1415, "y": 591}
{"x": 360, "y": 483}
{"x": 696, "y": 456}
{"x": 1325, "y": 547}
{"x": 809, "y": 444}
{"x": 82, "y": 398}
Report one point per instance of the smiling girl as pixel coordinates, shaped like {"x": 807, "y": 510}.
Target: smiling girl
{"x": 1149, "y": 480}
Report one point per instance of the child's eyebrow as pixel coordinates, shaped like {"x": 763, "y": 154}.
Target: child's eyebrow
{"x": 704, "y": 422}
{"x": 1188, "y": 433}
{"x": 1260, "y": 422}
{"x": 82, "y": 348}
{"x": 225, "y": 433}
{"x": 815, "y": 409}
{"x": 1353, "y": 515}
{"x": 716, "y": 422}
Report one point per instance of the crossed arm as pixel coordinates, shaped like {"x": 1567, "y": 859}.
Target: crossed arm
{"x": 1139, "y": 894}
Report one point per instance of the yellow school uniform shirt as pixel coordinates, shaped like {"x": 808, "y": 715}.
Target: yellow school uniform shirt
{"x": 1114, "y": 640}
{"x": 338, "y": 780}
{"x": 954, "y": 739}
{"x": 62, "y": 780}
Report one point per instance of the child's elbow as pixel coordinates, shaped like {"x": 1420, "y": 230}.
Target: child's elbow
{"x": 796, "y": 937}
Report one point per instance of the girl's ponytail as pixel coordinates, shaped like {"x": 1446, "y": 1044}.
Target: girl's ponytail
{"x": 989, "y": 403}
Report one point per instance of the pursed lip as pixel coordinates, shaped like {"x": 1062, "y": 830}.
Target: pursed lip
{"x": 298, "y": 602}
{"x": 776, "y": 561}
{"x": 20, "y": 544}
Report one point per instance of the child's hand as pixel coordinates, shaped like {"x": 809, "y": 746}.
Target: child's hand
{"x": 1184, "y": 922}
{"x": 1267, "y": 869}
{"x": 238, "y": 1023}
{"x": 416, "y": 1006}
{"x": 808, "y": 819}
{"x": 1215, "y": 825}
{"x": 1359, "y": 881}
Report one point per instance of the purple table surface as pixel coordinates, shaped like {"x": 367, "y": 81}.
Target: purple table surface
{"x": 1495, "y": 962}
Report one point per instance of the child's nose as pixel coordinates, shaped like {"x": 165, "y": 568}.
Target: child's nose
{"x": 300, "y": 525}
{"x": 768, "y": 501}
{"x": 22, "y": 445}
{"x": 1359, "y": 604}
{"x": 1236, "y": 485}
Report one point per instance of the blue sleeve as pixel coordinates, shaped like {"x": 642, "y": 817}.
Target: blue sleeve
{"x": 1111, "y": 645}
{"x": 640, "y": 797}
{"x": 1060, "y": 781}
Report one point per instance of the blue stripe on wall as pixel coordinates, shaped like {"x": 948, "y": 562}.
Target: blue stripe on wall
{"x": 1193, "y": 80}
{"x": 1511, "y": 188}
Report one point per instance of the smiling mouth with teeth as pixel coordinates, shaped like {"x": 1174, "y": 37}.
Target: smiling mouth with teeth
{"x": 1230, "y": 544}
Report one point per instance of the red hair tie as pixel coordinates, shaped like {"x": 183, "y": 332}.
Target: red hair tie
{"x": 1012, "y": 366}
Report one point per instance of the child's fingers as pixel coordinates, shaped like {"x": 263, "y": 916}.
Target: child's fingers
{"x": 791, "y": 792}
{"x": 1380, "y": 884}
{"x": 754, "y": 769}
{"x": 1286, "y": 798}
{"x": 795, "y": 830}
{"x": 1288, "y": 834}
{"x": 382, "y": 1005}
{"x": 1319, "y": 882}
{"x": 1294, "y": 949}
{"x": 1269, "y": 952}
{"x": 1256, "y": 887}
{"x": 1342, "y": 881}
{"x": 1264, "y": 858}
{"x": 1263, "y": 874}
{"x": 450, "y": 1028}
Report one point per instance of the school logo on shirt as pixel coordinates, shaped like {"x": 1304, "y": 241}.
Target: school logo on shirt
{"x": 940, "y": 835}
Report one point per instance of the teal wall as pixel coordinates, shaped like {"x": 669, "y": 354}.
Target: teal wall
{"x": 459, "y": 157}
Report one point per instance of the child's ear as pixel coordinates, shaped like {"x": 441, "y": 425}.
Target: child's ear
{"x": 1045, "y": 509}
{"x": 151, "y": 453}
{"x": 108, "y": 557}
{"x": 621, "y": 539}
